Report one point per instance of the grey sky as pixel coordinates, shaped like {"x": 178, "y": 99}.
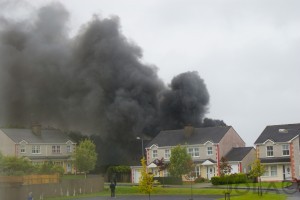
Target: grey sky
{"x": 246, "y": 51}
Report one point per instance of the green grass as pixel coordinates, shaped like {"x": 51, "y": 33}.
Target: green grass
{"x": 134, "y": 190}
{"x": 269, "y": 185}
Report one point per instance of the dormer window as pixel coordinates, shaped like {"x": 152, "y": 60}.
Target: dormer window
{"x": 209, "y": 151}
{"x": 23, "y": 148}
{"x": 154, "y": 154}
{"x": 270, "y": 151}
{"x": 285, "y": 150}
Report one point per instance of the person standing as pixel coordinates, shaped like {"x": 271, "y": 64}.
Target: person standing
{"x": 112, "y": 187}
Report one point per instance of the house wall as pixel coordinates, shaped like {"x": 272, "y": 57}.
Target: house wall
{"x": 279, "y": 176}
{"x": 296, "y": 159}
{"x": 230, "y": 139}
{"x": 7, "y": 146}
{"x": 202, "y": 152}
{"x": 248, "y": 160}
{"x": 277, "y": 149}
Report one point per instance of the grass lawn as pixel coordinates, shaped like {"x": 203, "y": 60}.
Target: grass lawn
{"x": 134, "y": 190}
{"x": 269, "y": 185}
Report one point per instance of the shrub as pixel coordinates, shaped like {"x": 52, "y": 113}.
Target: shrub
{"x": 229, "y": 179}
{"x": 200, "y": 180}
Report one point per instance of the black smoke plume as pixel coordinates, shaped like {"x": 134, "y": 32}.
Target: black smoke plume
{"x": 94, "y": 82}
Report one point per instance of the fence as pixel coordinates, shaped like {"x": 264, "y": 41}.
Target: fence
{"x": 29, "y": 179}
{"x": 18, "y": 191}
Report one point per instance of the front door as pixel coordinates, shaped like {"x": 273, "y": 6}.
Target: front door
{"x": 287, "y": 172}
{"x": 210, "y": 172}
{"x": 69, "y": 167}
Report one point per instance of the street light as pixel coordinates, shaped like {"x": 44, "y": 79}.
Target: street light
{"x": 140, "y": 138}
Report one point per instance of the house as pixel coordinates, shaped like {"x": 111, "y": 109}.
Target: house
{"x": 278, "y": 149}
{"x": 240, "y": 159}
{"x": 205, "y": 145}
{"x": 38, "y": 145}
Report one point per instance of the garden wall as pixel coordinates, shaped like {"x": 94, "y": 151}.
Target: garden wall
{"x": 17, "y": 191}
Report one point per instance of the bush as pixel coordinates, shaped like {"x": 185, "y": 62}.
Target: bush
{"x": 229, "y": 179}
{"x": 200, "y": 180}
{"x": 169, "y": 180}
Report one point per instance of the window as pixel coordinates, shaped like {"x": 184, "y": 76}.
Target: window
{"x": 69, "y": 150}
{"x": 36, "y": 149}
{"x": 55, "y": 149}
{"x": 269, "y": 151}
{"x": 209, "y": 151}
{"x": 266, "y": 171}
{"x": 166, "y": 173}
{"x": 23, "y": 149}
{"x": 167, "y": 154}
{"x": 194, "y": 152}
{"x": 274, "y": 170}
{"x": 154, "y": 154}
{"x": 285, "y": 150}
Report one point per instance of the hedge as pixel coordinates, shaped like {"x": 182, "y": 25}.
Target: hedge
{"x": 229, "y": 179}
{"x": 169, "y": 180}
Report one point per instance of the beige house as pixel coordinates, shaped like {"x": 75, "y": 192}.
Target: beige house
{"x": 38, "y": 145}
{"x": 278, "y": 149}
{"x": 205, "y": 145}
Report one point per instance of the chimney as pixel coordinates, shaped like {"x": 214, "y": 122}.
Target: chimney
{"x": 36, "y": 128}
{"x": 188, "y": 131}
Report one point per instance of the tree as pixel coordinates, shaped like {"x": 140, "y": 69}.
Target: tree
{"x": 225, "y": 168}
{"x": 146, "y": 179}
{"x": 257, "y": 170}
{"x": 180, "y": 162}
{"x": 85, "y": 156}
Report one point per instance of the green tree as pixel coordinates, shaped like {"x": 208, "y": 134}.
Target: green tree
{"x": 12, "y": 165}
{"x": 257, "y": 170}
{"x": 146, "y": 179}
{"x": 85, "y": 156}
{"x": 225, "y": 168}
{"x": 180, "y": 162}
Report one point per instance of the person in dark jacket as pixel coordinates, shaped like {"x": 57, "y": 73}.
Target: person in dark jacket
{"x": 112, "y": 187}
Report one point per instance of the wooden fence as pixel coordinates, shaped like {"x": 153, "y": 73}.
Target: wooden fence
{"x": 30, "y": 179}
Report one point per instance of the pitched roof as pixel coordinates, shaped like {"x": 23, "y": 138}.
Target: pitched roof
{"x": 199, "y": 136}
{"x": 273, "y": 133}
{"x": 238, "y": 153}
{"x": 47, "y": 136}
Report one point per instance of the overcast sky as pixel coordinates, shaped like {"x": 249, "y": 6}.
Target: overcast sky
{"x": 246, "y": 51}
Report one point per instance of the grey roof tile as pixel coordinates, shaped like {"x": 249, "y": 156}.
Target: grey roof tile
{"x": 273, "y": 133}
{"x": 47, "y": 136}
{"x": 275, "y": 160}
{"x": 199, "y": 136}
{"x": 238, "y": 153}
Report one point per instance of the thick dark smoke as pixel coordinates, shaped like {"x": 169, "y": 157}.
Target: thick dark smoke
{"x": 94, "y": 82}
{"x": 185, "y": 102}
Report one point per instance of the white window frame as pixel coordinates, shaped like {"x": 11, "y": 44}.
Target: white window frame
{"x": 69, "y": 149}
{"x": 209, "y": 151}
{"x": 273, "y": 170}
{"x": 285, "y": 150}
{"x": 194, "y": 151}
{"x": 55, "y": 149}
{"x": 269, "y": 151}
{"x": 167, "y": 153}
{"x": 154, "y": 153}
{"x": 23, "y": 148}
{"x": 36, "y": 149}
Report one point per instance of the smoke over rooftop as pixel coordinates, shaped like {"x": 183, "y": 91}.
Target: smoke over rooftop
{"x": 94, "y": 82}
